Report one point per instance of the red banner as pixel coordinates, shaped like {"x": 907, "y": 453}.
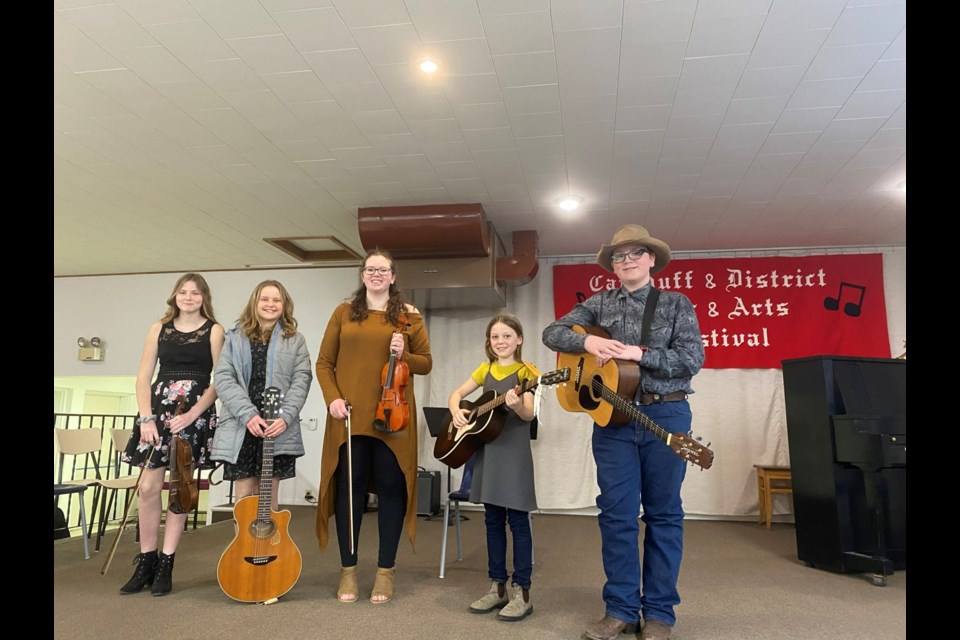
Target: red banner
{"x": 755, "y": 312}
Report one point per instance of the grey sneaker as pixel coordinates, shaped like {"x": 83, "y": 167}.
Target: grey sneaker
{"x": 518, "y": 609}
{"x": 492, "y": 600}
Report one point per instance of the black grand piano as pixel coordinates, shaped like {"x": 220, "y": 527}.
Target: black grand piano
{"x": 847, "y": 430}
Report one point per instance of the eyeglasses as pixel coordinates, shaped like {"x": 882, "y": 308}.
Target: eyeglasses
{"x": 381, "y": 270}
{"x": 636, "y": 254}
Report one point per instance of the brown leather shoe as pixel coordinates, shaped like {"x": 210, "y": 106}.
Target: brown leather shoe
{"x": 655, "y": 630}
{"x": 608, "y": 628}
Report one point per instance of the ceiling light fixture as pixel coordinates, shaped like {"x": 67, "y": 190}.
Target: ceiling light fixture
{"x": 428, "y": 66}
{"x": 569, "y": 203}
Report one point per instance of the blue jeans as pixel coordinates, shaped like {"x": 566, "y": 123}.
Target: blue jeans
{"x": 496, "y": 519}
{"x": 634, "y": 468}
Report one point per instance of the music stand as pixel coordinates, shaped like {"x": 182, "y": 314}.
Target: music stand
{"x": 435, "y": 417}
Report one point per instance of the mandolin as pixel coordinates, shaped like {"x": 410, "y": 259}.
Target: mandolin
{"x": 263, "y": 562}
{"x": 607, "y": 392}
{"x": 485, "y": 422}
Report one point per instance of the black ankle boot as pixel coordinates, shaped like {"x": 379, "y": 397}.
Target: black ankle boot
{"x": 143, "y": 575}
{"x": 163, "y": 581}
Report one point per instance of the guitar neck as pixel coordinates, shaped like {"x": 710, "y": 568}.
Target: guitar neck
{"x": 625, "y": 406}
{"x": 525, "y": 386}
{"x": 265, "y": 503}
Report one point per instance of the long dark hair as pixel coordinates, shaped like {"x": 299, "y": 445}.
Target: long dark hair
{"x": 396, "y": 305}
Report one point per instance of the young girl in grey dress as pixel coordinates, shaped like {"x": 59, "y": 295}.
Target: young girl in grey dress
{"x": 503, "y": 469}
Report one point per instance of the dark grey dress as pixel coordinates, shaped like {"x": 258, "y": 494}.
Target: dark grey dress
{"x": 503, "y": 470}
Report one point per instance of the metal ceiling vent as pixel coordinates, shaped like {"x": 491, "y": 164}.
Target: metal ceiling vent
{"x": 449, "y": 255}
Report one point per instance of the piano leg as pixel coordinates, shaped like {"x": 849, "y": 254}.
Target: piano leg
{"x": 880, "y": 565}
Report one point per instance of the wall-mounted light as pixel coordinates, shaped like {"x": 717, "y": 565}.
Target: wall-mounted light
{"x": 90, "y": 350}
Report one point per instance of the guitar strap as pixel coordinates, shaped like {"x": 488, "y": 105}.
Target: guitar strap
{"x": 648, "y": 310}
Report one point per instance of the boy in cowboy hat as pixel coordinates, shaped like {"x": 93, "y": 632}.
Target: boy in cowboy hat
{"x": 634, "y": 466}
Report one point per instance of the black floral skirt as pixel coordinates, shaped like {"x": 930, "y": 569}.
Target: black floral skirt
{"x": 166, "y": 396}
{"x": 249, "y": 462}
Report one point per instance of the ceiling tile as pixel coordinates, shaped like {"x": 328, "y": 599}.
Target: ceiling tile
{"x": 522, "y": 69}
{"x": 518, "y": 32}
{"x": 439, "y": 20}
{"x": 371, "y": 13}
{"x": 315, "y": 29}
{"x": 389, "y": 44}
{"x": 269, "y": 54}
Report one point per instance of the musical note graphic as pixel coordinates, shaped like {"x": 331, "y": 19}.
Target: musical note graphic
{"x": 851, "y": 308}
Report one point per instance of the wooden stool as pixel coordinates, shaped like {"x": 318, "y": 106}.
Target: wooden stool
{"x": 771, "y": 479}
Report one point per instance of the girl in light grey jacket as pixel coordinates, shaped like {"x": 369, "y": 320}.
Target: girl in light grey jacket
{"x": 263, "y": 351}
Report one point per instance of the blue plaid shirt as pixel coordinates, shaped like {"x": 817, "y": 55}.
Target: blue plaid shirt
{"x": 675, "y": 347}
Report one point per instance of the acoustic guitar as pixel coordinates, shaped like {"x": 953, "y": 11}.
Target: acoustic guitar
{"x": 262, "y": 563}
{"x": 607, "y": 392}
{"x": 484, "y": 423}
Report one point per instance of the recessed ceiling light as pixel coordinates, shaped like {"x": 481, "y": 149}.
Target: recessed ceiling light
{"x": 569, "y": 203}
{"x": 428, "y": 66}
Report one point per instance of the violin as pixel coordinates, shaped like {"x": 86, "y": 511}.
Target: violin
{"x": 184, "y": 494}
{"x": 393, "y": 410}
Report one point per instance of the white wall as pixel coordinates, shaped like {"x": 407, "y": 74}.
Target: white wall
{"x": 740, "y": 411}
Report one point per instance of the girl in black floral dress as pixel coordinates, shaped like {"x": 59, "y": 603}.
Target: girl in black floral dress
{"x": 186, "y": 342}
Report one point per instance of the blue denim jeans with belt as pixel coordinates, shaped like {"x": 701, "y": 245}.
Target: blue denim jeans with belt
{"x": 634, "y": 468}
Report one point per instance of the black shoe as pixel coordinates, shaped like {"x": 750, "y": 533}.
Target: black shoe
{"x": 163, "y": 581}
{"x": 143, "y": 575}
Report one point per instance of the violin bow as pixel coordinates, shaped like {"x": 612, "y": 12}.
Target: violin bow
{"x": 126, "y": 514}
{"x": 350, "y": 476}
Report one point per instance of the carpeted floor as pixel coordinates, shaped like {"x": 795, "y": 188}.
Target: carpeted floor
{"x": 739, "y": 581}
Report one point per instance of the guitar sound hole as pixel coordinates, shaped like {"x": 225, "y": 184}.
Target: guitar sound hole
{"x": 261, "y": 530}
{"x": 587, "y": 401}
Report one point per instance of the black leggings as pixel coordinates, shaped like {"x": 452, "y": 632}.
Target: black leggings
{"x": 371, "y": 457}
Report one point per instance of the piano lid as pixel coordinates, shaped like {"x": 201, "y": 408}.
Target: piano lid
{"x": 873, "y": 390}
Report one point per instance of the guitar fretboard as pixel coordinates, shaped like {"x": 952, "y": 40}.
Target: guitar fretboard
{"x": 265, "y": 503}
{"x": 625, "y": 406}
{"x": 486, "y": 407}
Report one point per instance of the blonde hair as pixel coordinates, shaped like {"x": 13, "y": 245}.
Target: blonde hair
{"x": 249, "y": 321}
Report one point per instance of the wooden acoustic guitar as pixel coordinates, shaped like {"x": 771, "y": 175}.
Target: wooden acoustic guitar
{"x": 262, "y": 563}
{"x": 607, "y": 392}
{"x": 484, "y": 423}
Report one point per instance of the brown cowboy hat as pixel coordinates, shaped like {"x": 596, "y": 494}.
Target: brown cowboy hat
{"x": 635, "y": 234}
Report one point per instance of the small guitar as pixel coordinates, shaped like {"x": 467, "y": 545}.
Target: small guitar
{"x": 485, "y": 422}
{"x": 607, "y": 392}
{"x": 262, "y": 563}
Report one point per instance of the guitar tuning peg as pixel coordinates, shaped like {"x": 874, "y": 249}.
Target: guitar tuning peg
{"x": 698, "y": 438}
{"x": 709, "y": 444}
